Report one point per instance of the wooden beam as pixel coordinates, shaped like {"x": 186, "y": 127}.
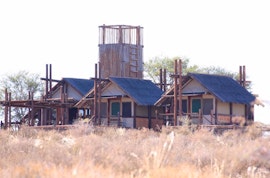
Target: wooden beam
{"x": 95, "y": 95}
{"x": 175, "y": 93}
{"x": 160, "y": 79}
{"x": 53, "y": 80}
{"x": 180, "y": 88}
{"x": 99, "y": 93}
{"x": 164, "y": 80}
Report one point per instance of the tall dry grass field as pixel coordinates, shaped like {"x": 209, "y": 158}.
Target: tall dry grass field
{"x": 86, "y": 151}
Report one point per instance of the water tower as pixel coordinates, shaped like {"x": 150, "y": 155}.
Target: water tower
{"x": 121, "y": 51}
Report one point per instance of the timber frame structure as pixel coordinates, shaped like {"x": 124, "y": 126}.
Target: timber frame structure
{"x": 173, "y": 100}
{"x": 41, "y": 108}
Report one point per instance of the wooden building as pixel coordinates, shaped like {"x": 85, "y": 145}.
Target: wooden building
{"x": 210, "y": 99}
{"x": 55, "y": 108}
{"x": 121, "y": 51}
{"x": 69, "y": 90}
{"x": 128, "y": 102}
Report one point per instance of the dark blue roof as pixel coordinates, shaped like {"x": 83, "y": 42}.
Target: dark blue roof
{"x": 224, "y": 88}
{"x": 81, "y": 85}
{"x": 143, "y": 92}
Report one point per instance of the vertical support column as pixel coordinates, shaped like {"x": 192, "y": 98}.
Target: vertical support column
{"x": 180, "y": 89}
{"x": 6, "y": 109}
{"x": 244, "y": 76}
{"x": 175, "y": 94}
{"x": 149, "y": 108}
{"x": 103, "y": 34}
{"x": 134, "y": 114}
{"x": 160, "y": 80}
{"x": 120, "y": 40}
{"x": 46, "y": 87}
{"x": 99, "y": 94}
{"x": 138, "y": 37}
{"x": 61, "y": 109}
{"x": 216, "y": 111}
{"x": 50, "y": 77}
{"x": 9, "y": 110}
{"x": 32, "y": 109}
{"x": 231, "y": 112}
{"x": 165, "y": 80}
{"x": 95, "y": 95}
{"x": 240, "y": 76}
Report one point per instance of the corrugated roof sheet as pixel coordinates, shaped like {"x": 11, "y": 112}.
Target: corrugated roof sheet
{"x": 143, "y": 92}
{"x": 82, "y": 85}
{"x": 225, "y": 88}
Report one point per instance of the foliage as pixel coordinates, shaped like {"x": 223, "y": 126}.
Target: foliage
{"x": 20, "y": 84}
{"x": 153, "y": 66}
{"x": 218, "y": 70}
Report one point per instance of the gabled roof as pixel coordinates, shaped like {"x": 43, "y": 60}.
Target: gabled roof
{"x": 143, "y": 92}
{"x": 224, "y": 88}
{"x": 81, "y": 85}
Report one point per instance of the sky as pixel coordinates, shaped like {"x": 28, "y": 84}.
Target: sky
{"x": 64, "y": 33}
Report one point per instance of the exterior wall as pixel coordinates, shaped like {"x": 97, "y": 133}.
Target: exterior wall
{"x": 71, "y": 92}
{"x": 223, "y": 108}
{"x": 141, "y": 111}
{"x": 223, "y": 111}
{"x": 238, "y": 110}
{"x": 194, "y": 87}
{"x": 121, "y": 51}
{"x": 112, "y": 90}
{"x": 128, "y": 122}
{"x": 115, "y": 60}
{"x": 143, "y": 123}
{"x": 57, "y": 94}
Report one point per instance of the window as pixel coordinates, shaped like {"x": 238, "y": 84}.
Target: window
{"x": 207, "y": 106}
{"x": 184, "y": 106}
{"x": 196, "y": 105}
{"x": 115, "y": 109}
{"x": 126, "y": 109}
{"x": 126, "y": 106}
{"x": 103, "y": 109}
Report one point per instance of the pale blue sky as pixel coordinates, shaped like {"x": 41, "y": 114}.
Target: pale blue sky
{"x": 64, "y": 33}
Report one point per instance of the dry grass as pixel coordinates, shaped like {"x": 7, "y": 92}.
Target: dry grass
{"x": 86, "y": 151}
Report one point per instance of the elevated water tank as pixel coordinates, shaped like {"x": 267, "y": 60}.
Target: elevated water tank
{"x": 121, "y": 51}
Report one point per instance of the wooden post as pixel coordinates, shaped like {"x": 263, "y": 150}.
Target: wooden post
{"x": 9, "y": 110}
{"x": 200, "y": 117}
{"x": 149, "y": 117}
{"x": 175, "y": 93}
{"x": 58, "y": 120}
{"x": 32, "y": 108}
{"x": 138, "y": 36}
{"x": 231, "y": 112}
{"x": 50, "y": 77}
{"x": 244, "y": 76}
{"x": 46, "y": 81}
{"x": 216, "y": 111}
{"x": 99, "y": 93}
{"x": 134, "y": 114}
{"x": 160, "y": 80}
{"x": 180, "y": 89}
{"x": 103, "y": 33}
{"x": 120, "y": 40}
{"x": 95, "y": 95}
{"x": 165, "y": 81}
{"x": 6, "y": 109}
{"x": 240, "y": 76}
